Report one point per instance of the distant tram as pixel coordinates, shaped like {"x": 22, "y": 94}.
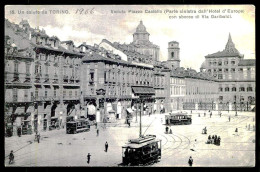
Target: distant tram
{"x": 142, "y": 151}
{"x": 80, "y": 125}
{"x": 178, "y": 118}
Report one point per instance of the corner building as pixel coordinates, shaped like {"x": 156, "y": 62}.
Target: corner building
{"x": 235, "y": 76}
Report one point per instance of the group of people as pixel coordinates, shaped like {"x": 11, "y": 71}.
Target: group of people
{"x": 214, "y": 139}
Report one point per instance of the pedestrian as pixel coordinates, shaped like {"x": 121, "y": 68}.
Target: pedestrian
{"x": 236, "y": 130}
{"x": 229, "y": 118}
{"x": 204, "y": 114}
{"x": 190, "y": 161}
{"x": 220, "y": 114}
{"x": 167, "y": 128}
{"x": 97, "y": 132}
{"x": 19, "y": 132}
{"x": 199, "y": 114}
{"x": 212, "y": 139}
{"x": 106, "y": 146}
{"x": 219, "y": 140}
{"x": 88, "y": 158}
{"x": 11, "y": 157}
{"x": 215, "y": 140}
{"x": 38, "y": 137}
{"x": 170, "y": 131}
{"x": 210, "y": 114}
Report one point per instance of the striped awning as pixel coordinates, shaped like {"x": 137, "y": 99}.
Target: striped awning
{"x": 142, "y": 91}
{"x": 20, "y": 110}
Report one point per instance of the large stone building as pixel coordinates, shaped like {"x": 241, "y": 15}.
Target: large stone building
{"x": 235, "y": 76}
{"x": 42, "y": 81}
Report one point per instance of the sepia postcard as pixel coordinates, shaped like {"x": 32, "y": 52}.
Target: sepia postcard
{"x": 129, "y": 85}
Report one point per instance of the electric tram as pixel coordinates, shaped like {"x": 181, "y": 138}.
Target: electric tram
{"x": 79, "y": 125}
{"x": 178, "y": 118}
{"x": 142, "y": 151}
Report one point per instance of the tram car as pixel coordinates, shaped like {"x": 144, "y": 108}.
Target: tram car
{"x": 178, "y": 118}
{"x": 142, "y": 151}
{"x": 79, "y": 125}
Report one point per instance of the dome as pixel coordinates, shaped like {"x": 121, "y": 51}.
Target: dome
{"x": 203, "y": 65}
{"x": 141, "y": 27}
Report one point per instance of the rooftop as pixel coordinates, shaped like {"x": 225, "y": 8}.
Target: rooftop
{"x": 229, "y": 51}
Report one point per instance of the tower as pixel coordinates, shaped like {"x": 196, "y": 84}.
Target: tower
{"x": 173, "y": 55}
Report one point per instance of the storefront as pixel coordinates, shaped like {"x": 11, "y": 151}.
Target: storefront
{"x": 27, "y": 121}
{"x": 47, "y": 118}
{"x": 19, "y": 116}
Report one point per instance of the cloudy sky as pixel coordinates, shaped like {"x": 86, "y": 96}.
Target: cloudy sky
{"x": 197, "y": 37}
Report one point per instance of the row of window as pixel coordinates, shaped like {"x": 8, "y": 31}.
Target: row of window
{"x": 219, "y": 63}
{"x": 249, "y": 89}
{"x": 226, "y": 70}
{"x": 176, "y": 81}
{"x": 55, "y": 93}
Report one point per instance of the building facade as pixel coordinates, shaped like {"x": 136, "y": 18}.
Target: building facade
{"x": 235, "y": 75}
{"x": 42, "y": 83}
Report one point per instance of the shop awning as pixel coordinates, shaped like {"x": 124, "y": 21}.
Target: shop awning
{"x": 143, "y": 91}
{"x": 78, "y": 112}
{"x": 130, "y": 110}
{"x": 111, "y": 111}
{"x": 28, "y": 119}
{"x": 91, "y": 110}
{"x": 72, "y": 112}
{"x": 47, "y": 110}
{"x": 30, "y": 109}
{"x": 20, "y": 110}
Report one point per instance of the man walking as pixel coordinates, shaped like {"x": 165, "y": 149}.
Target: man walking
{"x": 38, "y": 137}
{"x": 106, "y": 146}
{"x": 88, "y": 158}
{"x": 11, "y": 157}
{"x": 229, "y": 118}
{"x": 97, "y": 132}
{"x": 190, "y": 161}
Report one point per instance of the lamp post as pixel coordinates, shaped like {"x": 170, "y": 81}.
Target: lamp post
{"x": 60, "y": 117}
